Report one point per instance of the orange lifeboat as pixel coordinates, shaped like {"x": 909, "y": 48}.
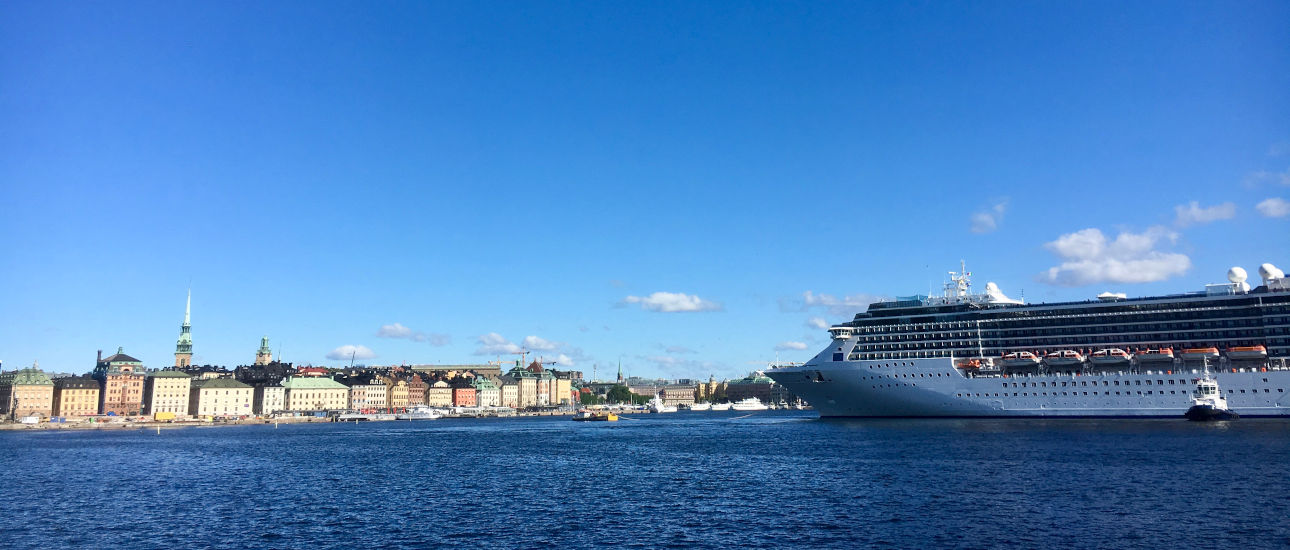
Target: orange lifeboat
{"x": 1245, "y": 353}
{"x": 1162, "y": 355}
{"x": 1196, "y": 354}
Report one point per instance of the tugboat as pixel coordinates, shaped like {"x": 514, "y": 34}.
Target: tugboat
{"x": 1208, "y": 403}
{"x": 593, "y": 416}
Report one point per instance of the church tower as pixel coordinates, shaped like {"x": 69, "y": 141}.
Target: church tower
{"x": 184, "y": 347}
{"x": 264, "y": 356}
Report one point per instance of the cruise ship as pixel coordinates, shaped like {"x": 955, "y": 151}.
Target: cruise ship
{"x": 986, "y": 355}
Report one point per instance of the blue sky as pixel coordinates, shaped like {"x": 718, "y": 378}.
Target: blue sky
{"x": 657, "y": 182}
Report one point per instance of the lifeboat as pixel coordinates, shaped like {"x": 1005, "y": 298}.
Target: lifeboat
{"x": 1162, "y": 355}
{"x": 970, "y": 364}
{"x": 1064, "y": 358}
{"x": 1110, "y": 357}
{"x": 1197, "y": 354}
{"x": 1019, "y": 361}
{"x": 1245, "y": 353}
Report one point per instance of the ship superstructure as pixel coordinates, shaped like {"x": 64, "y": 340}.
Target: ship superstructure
{"x": 966, "y": 354}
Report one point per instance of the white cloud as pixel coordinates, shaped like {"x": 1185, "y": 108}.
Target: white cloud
{"x": 397, "y": 330}
{"x": 672, "y": 302}
{"x": 540, "y": 344}
{"x": 989, "y": 220}
{"x": 495, "y": 344}
{"x": 1192, "y": 213}
{"x": 1275, "y": 207}
{"x": 784, "y": 346}
{"x": 1088, "y": 258}
{"x": 1256, "y": 179}
{"x": 817, "y": 322}
{"x": 844, "y": 306}
{"x": 348, "y": 351}
{"x": 563, "y": 354}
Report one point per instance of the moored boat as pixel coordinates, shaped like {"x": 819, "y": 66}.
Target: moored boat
{"x": 701, "y": 407}
{"x": 595, "y": 416}
{"x": 721, "y": 406}
{"x": 1208, "y": 402}
{"x": 749, "y": 404}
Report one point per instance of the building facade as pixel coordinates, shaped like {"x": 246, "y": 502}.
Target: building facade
{"x": 76, "y": 396}
{"x": 311, "y": 393}
{"x": 439, "y": 394}
{"x": 223, "y": 397}
{"x": 464, "y": 396}
{"x": 396, "y": 393}
{"x": 487, "y": 394}
{"x": 269, "y": 399}
{"x": 166, "y": 391}
{"x": 677, "y": 395}
{"x": 26, "y": 392}
{"x": 121, "y": 379}
{"x": 416, "y": 390}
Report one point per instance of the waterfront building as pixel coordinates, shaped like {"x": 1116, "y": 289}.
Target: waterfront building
{"x": 464, "y": 395}
{"x": 439, "y": 394}
{"x": 396, "y": 392}
{"x": 366, "y": 392}
{"x": 312, "y": 393}
{"x": 269, "y": 399}
{"x": 509, "y": 392}
{"x": 758, "y": 385}
{"x": 313, "y": 371}
{"x": 166, "y": 391}
{"x": 120, "y": 380}
{"x": 220, "y": 397}
{"x": 263, "y": 356}
{"x": 76, "y": 396}
{"x": 416, "y": 390}
{"x": 487, "y": 394}
{"x": 26, "y": 392}
{"x": 677, "y": 395}
{"x": 184, "y": 347}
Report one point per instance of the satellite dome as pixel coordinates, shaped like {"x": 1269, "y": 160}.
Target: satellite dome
{"x": 1269, "y": 271}
{"x": 1236, "y": 275}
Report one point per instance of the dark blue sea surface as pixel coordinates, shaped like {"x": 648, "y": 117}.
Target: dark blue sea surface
{"x": 727, "y": 480}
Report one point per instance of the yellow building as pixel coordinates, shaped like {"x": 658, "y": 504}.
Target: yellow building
{"x": 396, "y": 393}
{"x": 167, "y": 391}
{"x": 439, "y": 394}
{"x": 310, "y": 394}
{"x": 27, "y": 392}
{"x": 76, "y": 396}
{"x": 220, "y": 397}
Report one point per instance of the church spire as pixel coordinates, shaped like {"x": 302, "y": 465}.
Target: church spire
{"x": 184, "y": 347}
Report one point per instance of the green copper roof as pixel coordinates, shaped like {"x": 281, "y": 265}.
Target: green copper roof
{"x": 221, "y": 383}
{"x": 482, "y": 383}
{"x": 312, "y": 383}
{"x": 29, "y": 376}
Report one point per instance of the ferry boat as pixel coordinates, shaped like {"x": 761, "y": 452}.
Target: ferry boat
{"x": 721, "y": 406}
{"x": 595, "y": 416}
{"x": 701, "y": 407}
{"x": 940, "y": 355}
{"x": 656, "y": 405}
{"x": 749, "y": 404}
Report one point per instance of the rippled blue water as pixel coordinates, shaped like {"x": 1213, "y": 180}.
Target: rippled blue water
{"x": 685, "y": 480}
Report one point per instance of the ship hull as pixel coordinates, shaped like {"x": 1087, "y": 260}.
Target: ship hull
{"x": 934, "y": 388}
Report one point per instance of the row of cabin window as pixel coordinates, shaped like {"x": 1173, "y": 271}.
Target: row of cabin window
{"x": 1149, "y": 392}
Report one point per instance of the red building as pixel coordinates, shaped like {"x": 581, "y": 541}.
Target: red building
{"x": 464, "y": 397}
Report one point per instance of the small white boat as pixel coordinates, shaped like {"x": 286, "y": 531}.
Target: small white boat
{"x": 721, "y": 406}
{"x": 701, "y": 407}
{"x": 1246, "y": 353}
{"x": 749, "y": 404}
{"x": 657, "y": 405}
{"x": 420, "y": 412}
